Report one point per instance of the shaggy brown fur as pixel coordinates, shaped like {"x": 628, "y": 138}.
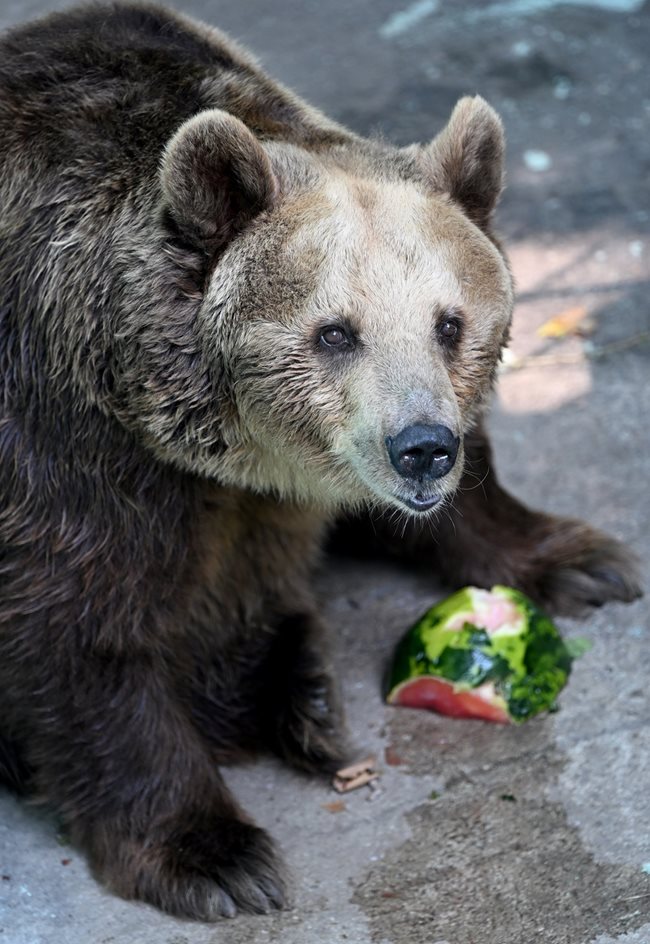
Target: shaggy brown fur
{"x": 216, "y": 309}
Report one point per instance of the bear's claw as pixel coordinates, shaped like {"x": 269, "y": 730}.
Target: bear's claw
{"x": 578, "y": 567}
{"x": 208, "y": 872}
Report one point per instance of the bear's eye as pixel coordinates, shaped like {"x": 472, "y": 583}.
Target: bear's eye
{"x": 449, "y": 330}
{"x": 333, "y": 336}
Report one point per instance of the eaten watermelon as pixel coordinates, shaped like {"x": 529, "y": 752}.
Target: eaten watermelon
{"x": 481, "y": 654}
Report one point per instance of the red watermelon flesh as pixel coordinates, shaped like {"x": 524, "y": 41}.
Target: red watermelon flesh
{"x": 435, "y": 694}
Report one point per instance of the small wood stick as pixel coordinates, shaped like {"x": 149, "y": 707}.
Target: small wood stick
{"x": 356, "y": 775}
{"x": 348, "y": 773}
{"x": 344, "y": 786}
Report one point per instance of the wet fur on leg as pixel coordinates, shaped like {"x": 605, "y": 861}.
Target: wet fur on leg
{"x": 306, "y": 729}
{"x": 142, "y": 796}
{"x": 15, "y": 773}
{"x": 278, "y": 694}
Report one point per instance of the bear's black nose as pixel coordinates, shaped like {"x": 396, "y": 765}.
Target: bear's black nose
{"x": 423, "y": 452}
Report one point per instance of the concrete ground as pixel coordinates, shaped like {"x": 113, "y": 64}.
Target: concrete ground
{"x": 477, "y": 833}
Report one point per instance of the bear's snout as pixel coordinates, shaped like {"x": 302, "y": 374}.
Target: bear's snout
{"x": 423, "y": 452}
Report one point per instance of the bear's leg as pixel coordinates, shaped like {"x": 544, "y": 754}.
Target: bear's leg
{"x": 281, "y": 696}
{"x": 302, "y": 699}
{"x": 485, "y": 536}
{"x": 14, "y": 772}
{"x": 115, "y": 754}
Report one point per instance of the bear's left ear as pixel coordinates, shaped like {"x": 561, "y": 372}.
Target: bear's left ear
{"x": 216, "y": 178}
{"x": 466, "y": 160}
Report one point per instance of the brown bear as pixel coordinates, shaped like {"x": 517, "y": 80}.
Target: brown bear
{"x": 226, "y": 322}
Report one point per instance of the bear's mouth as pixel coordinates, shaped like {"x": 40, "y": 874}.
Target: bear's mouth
{"x": 421, "y": 502}
{"x": 419, "y": 497}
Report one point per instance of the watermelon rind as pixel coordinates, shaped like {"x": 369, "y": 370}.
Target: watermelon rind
{"x": 525, "y": 659}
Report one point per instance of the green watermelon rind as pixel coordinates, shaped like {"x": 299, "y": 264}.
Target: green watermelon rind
{"x": 529, "y": 667}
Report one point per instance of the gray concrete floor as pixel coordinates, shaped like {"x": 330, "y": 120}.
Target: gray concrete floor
{"x": 478, "y": 833}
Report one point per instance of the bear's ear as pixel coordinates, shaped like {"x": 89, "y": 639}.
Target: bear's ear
{"x": 216, "y": 177}
{"x": 466, "y": 160}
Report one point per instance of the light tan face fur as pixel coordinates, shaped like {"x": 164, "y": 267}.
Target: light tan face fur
{"x": 389, "y": 263}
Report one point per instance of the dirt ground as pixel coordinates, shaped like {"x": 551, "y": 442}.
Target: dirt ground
{"x": 477, "y": 833}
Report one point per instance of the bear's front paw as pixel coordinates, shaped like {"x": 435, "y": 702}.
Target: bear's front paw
{"x": 309, "y": 728}
{"x": 578, "y": 567}
{"x": 207, "y": 871}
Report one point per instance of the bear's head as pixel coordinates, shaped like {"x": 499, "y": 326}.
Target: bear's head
{"x": 353, "y": 309}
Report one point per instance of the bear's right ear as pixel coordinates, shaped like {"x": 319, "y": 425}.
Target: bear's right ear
{"x": 216, "y": 177}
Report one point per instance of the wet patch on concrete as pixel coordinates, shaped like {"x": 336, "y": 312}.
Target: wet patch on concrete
{"x": 493, "y": 857}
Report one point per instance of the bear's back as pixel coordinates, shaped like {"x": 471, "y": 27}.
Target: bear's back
{"x": 103, "y": 86}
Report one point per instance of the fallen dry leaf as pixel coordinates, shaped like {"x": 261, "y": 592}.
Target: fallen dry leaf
{"x": 337, "y": 806}
{"x": 392, "y": 758}
{"x": 572, "y": 321}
